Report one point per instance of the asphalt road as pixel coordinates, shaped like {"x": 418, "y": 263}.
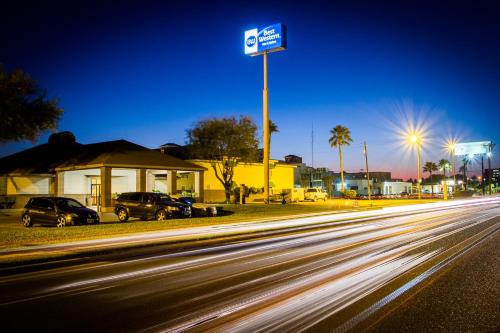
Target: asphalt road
{"x": 338, "y": 277}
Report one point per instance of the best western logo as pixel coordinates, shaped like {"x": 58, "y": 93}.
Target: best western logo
{"x": 268, "y": 34}
{"x": 251, "y": 41}
{"x": 251, "y": 45}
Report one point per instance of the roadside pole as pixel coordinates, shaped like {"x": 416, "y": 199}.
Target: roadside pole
{"x": 265, "y": 110}
{"x": 454, "y": 170}
{"x": 418, "y": 172}
{"x": 490, "y": 175}
{"x": 367, "y": 173}
{"x": 482, "y": 173}
{"x": 445, "y": 189}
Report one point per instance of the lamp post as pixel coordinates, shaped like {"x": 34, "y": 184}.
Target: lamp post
{"x": 451, "y": 149}
{"x": 365, "y": 152}
{"x": 489, "y": 171}
{"x": 416, "y": 140}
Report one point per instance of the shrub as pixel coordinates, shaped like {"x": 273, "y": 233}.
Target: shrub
{"x": 350, "y": 194}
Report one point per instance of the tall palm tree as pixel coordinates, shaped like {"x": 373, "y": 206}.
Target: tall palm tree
{"x": 273, "y": 128}
{"x": 341, "y": 136}
{"x": 444, "y": 165}
{"x": 463, "y": 169}
{"x": 430, "y": 167}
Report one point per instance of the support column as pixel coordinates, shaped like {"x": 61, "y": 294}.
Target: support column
{"x": 52, "y": 185}
{"x": 199, "y": 185}
{"x": 59, "y": 184}
{"x": 172, "y": 182}
{"x": 106, "y": 189}
{"x": 140, "y": 180}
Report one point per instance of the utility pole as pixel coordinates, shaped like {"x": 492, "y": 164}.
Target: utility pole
{"x": 365, "y": 150}
{"x": 419, "y": 190}
{"x": 490, "y": 175}
{"x": 482, "y": 172}
{"x": 312, "y": 155}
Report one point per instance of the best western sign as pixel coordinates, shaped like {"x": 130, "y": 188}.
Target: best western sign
{"x": 269, "y": 39}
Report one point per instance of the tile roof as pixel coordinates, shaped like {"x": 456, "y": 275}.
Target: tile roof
{"x": 46, "y": 158}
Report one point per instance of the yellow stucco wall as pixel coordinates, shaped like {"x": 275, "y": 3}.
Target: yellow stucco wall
{"x": 250, "y": 174}
{"x": 185, "y": 181}
{"x": 28, "y": 185}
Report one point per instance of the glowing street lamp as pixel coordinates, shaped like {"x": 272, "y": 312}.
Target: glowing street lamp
{"x": 451, "y": 149}
{"x": 415, "y": 139}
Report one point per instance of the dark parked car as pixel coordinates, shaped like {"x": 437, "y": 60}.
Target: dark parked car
{"x": 57, "y": 211}
{"x": 148, "y": 205}
{"x": 198, "y": 209}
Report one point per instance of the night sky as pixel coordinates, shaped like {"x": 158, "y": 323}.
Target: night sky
{"x": 146, "y": 71}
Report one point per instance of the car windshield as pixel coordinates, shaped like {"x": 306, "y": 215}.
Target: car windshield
{"x": 68, "y": 203}
{"x": 164, "y": 197}
{"x": 312, "y": 190}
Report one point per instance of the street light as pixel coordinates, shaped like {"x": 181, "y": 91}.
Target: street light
{"x": 415, "y": 139}
{"x": 451, "y": 149}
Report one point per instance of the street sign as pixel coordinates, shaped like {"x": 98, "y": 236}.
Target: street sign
{"x": 268, "y": 39}
{"x": 472, "y": 148}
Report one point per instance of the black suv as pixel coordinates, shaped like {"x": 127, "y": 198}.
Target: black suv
{"x": 57, "y": 210}
{"x": 149, "y": 204}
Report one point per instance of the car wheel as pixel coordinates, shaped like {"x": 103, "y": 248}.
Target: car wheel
{"x": 61, "y": 221}
{"x": 27, "y": 222}
{"x": 314, "y": 199}
{"x": 161, "y": 215}
{"x": 122, "y": 215}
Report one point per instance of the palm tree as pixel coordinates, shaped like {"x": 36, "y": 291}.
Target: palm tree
{"x": 430, "y": 167}
{"x": 340, "y": 136}
{"x": 273, "y": 128}
{"x": 463, "y": 169}
{"x": 444, "y": 165}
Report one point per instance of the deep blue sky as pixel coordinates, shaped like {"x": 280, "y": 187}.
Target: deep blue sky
{"x": 146, "y": 71}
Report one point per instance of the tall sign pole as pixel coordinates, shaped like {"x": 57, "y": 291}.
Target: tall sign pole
{"x": 261, "y": 42}
{"x": 265, "y": 109}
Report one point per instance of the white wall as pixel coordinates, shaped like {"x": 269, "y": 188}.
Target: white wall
{"x": 78, "y": 181}
{"x": 123, "y": 180}
{"x": 156, "y": 184}
{"x": 28, "y": 185}
{"x": 394, "y": 187}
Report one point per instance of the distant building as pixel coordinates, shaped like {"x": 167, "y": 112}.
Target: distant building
{"x": 381, "y": 182}
{"x": 293, "y": 159}
{"x": 250, "y": 174}
{"x": 495, "y": 176}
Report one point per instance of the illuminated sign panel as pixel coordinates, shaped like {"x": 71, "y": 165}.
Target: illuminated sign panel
{"x": 269, "y": 39}
{"x": 472, "y": 148}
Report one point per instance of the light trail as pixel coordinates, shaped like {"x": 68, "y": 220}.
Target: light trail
{"x": 279, "y": 282}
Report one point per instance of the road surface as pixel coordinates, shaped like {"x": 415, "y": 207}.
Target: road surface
{"x": 333, "y": 278}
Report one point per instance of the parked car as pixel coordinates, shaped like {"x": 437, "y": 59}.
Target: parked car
{"x": 315, "y": 194}
{"x": 197, "y": 209}
{"x": 149, "y": 205}
{"x": 57, "y": 211}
